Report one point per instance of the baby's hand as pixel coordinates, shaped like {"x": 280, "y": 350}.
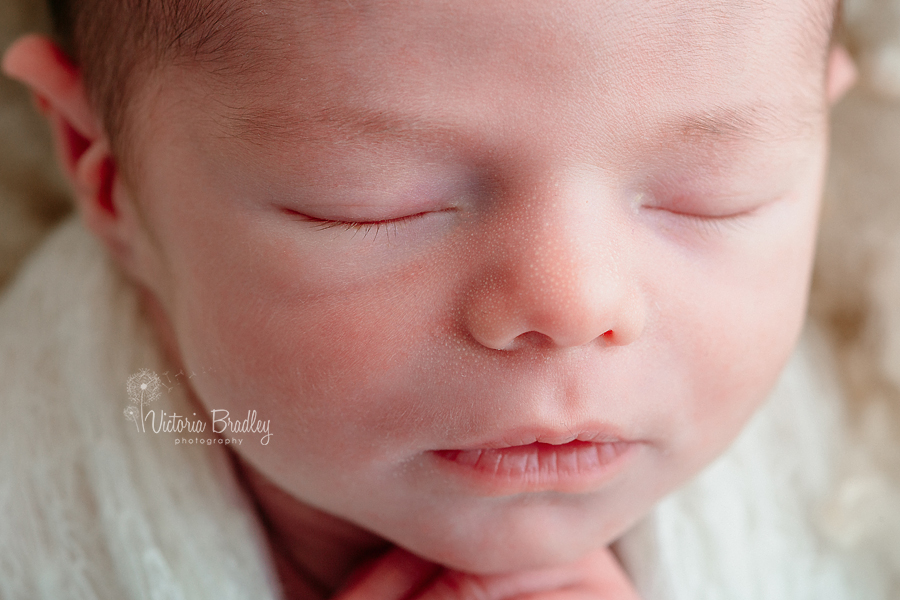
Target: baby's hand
{"x": 400, "y": 575}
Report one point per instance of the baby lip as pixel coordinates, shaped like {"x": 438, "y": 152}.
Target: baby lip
{"x": 473, "y": 456}
{"x": 540, "y": 464}
{"x": 549, "y": 437}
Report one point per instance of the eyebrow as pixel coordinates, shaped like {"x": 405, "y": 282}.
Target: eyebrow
{"x": 265, "y": 125}
{"x": 759, "y": 122}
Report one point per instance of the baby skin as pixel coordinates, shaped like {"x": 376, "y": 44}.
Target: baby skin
{"x": 500, "y": 273}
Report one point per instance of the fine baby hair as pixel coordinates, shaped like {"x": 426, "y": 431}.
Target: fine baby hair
{"x": 469, "y": 300}
{"x": 118, "y": 44}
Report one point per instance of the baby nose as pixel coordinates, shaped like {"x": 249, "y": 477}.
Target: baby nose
{"x": 564, "y": 279}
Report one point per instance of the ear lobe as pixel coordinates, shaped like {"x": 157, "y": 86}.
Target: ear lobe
{"x": 841, "y": 74}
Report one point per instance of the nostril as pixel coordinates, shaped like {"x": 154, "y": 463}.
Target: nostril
{"x": 529, "y": 339}
{"x": 538, "y": 340}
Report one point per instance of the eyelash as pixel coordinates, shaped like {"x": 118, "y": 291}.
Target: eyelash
{"x": 708, "y": 224}
{"x": 711, "y": 224}
{"x": 366, "y": 227}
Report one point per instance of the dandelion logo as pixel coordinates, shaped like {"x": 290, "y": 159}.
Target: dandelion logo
{"x": 143, "y": 388}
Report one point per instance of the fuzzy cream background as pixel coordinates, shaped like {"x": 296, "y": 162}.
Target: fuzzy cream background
{"x": 856, "y": 289}
{"x": 856, "y": 292}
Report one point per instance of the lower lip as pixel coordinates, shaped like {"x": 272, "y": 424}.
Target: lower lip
{"x": 572, "y": 468}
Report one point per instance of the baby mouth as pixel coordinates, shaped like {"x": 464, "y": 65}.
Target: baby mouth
{"x": 536, "y": 458}
{"x": 575, "y": 466}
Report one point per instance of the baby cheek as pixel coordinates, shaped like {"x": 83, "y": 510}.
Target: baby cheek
{"x": 332, "y": 364}
{"x": 744, "y": 324}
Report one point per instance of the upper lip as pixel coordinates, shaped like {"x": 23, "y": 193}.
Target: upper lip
{"x": 530, "y": 435}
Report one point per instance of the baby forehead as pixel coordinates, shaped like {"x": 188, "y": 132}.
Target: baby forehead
{"x": 280, "y": 20}
{"x": 265, "y": 43}
{"x": 393, "y": 68}
{"x": 261, "y": 42}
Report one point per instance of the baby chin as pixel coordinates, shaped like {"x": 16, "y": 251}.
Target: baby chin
{"x": 527, "y": 532}
{"x": 495, "y": 518}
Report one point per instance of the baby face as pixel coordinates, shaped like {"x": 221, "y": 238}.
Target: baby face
{"x": 434, "y": 243}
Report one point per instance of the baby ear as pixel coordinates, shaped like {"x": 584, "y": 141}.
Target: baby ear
{"x": 81, "y": 144}
{"x": 841, "y": 74}
{"x": 58, "y": 91}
